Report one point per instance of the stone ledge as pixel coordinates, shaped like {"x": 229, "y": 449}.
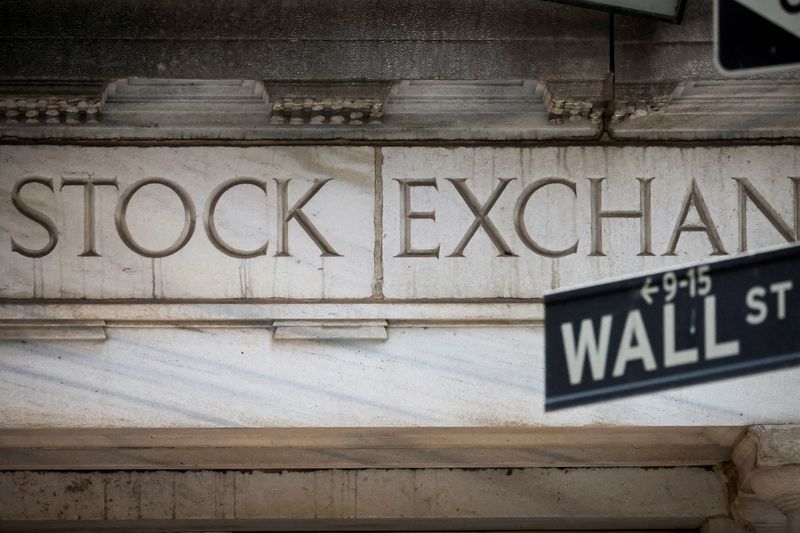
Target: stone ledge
{"x": 709, "y": 110}
{"x": 402, "y": 111}
{"x": 197, "y": 313}
{"x": 52, "y": 330}
{"x": 310, "y": 448}
{"x": 164, "y": 109}
{"x": 540, "y": 498}
{"x": 286, "y": 330}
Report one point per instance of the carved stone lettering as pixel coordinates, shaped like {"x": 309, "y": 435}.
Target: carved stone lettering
{"x": 482, "y": 219}
{"x": 519, "y": 217}
{"x": 694, "y": 198}
{"x": 34, "y": 214}
{"x": 286, "y": 215}
{"x": 211, "y": 227}
{"x": 748, "y": 191}
{"x": 408, "y": 214}
{"x": 89, "y": 223}
{"x": 278, "y": 222}
{"x": 598, "y": 214}
{"x": 515, "y": 221}
{"x": 537, "y": 219}
{"x": 121, "y": 218}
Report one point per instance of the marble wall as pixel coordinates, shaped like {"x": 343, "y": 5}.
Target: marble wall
{"x": 421, "y": 376}
{"x": 303, "y": 222}
{"x": 450, "y": 249}
{"x": 246, "y": 218}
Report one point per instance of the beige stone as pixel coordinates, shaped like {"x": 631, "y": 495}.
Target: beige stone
{"x": 556, "y": 217}
{"x": 421, "y": 375}
{"x": 768, "y": 459}
{"x": 542, "y": 498}
{"x": 341, "y": 213}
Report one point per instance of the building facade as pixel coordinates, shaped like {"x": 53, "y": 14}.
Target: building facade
{"x": 281, "y": 266}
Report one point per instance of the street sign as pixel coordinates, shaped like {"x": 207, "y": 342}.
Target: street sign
{"x": 687, "y": 325}
{"x": 668, "y": 10}
{"x": 757, "y": 35}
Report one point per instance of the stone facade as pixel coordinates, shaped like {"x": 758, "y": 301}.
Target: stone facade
{"x": 283, "y": 266}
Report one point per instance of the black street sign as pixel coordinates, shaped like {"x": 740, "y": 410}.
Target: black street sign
{"x": 755, "y": 35}
{"x": 694, "y": 324}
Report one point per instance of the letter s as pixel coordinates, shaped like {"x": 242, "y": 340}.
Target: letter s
{"x": 758, "y": 309}
{"x": 35, "y": 215}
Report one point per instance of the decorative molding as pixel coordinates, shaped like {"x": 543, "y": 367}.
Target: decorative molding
{"x": 204, "y": 103}
{"x": 574, "y": 101}
{"x": 561, "y": 109}
{"x": 31, "y": 103}
{"x": 438, "y": 97}
{"x": 335, "y": 104}
{"x": 334, "y": 111}
{"x": 421, "y": 110}
{"x": 52, "y": 330}
{"x": 227, "y": 313}
{"x": 475, "y": 110}
{"x": 285, "y": 330}
{"x": 636, "y": 100}
{"x": 493, "y": 105}
{"x": 709, "y": 110}
{"x": 356, "y": 320}
{"x": 154, "y": 104}
{"x": 318, "y": 448}
{"x": 134, "y": 109}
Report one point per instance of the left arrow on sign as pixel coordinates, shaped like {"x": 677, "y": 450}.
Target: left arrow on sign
{"x": 647, "y": 290}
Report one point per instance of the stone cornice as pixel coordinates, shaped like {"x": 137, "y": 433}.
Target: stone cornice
{"x": 50, "y": 104}
{"x": 708, "y": 110}
{"x": 408, "y": 111}
{"x": 153, "y": 109}
{"x": 612, "y": 447}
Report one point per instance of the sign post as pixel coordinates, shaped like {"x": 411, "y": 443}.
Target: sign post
{"x": 687, "y": 325}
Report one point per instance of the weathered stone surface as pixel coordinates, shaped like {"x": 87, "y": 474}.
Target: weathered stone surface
{"x": 768, "y": 462}
{"x": 650, "y": 50}
{"x": 776, "y": 445}
{"x": 191, "y": 373}
{"x": 263, "y": 314}
{"x": 310, "y": 39}
{"x": 302, "y": 20}
{"x": 543, "y": 498}
{"x": 722, "y": 525}
{"x": 760, "y": 515}
{"x": 50, "y": 102}
{"x": 558, "y": 217}
{"x": 119, "y": 266}
{"x": 75, "y": 449}
{"x": 410, "y": 110}
{"x": 427, "y": 258}
{"x": 706, "y": 110}
{"x": 419, "y": 376}
{"x": 146, "y": 110}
